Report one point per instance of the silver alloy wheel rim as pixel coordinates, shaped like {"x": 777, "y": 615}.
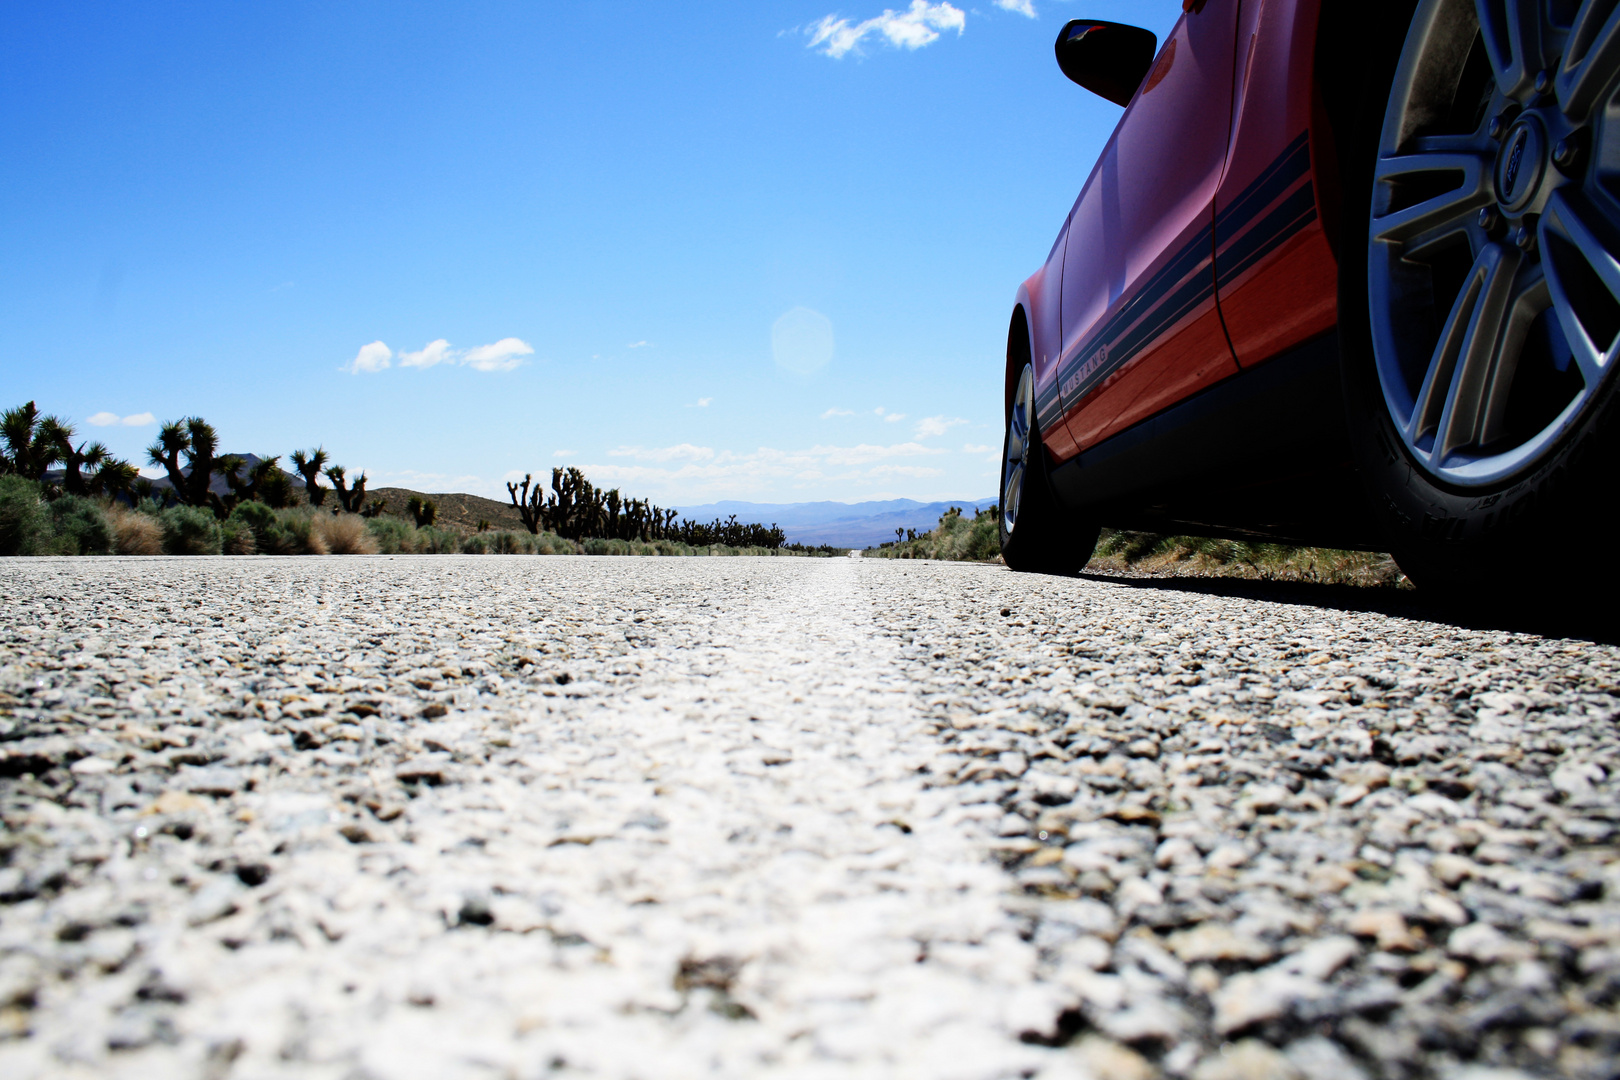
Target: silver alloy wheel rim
{"x": 1472, "y": 377}
{"x": 1016, "y": 459}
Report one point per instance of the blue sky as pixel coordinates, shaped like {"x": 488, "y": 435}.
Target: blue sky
{"x": 729, "y": 250}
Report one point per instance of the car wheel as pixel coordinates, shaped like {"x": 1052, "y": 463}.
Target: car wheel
{"x": 1481, "y": 311}
{"x": 1035, "y": 537}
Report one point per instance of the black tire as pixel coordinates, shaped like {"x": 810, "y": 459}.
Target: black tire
{"x": 1036, "y": 536}
{"x": 1484, "y": 521}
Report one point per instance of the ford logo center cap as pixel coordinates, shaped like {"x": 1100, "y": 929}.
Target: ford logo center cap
{"x": 1520, "y": 164}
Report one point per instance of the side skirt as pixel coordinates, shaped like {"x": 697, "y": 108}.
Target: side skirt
{"x": 1264, "y": 455}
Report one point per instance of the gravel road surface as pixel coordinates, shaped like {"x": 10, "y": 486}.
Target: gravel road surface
{"x": 525, "y": 817}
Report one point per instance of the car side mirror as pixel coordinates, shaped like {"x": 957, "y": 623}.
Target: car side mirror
{"x": 1109, "y": 59}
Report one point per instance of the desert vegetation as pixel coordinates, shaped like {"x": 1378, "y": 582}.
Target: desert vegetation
{"x": 577, "y": 509}
{"x": 958, "y": 538}
{"x": 63, "y": 497}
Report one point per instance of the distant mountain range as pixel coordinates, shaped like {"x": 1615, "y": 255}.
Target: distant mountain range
{"x": 863, "y": 524}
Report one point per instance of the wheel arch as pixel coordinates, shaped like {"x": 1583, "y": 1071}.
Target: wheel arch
{"x": 1020, "y": 348}
{"x": 1352, "y": 63}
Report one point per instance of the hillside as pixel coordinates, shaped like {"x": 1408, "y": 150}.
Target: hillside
{"x": 456, "y": 511}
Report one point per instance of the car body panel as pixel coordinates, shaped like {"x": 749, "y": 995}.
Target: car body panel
{"x": 1140, "y": 329}
{"x": 1041, "y": 300}
{"x": 1275, "y": 266}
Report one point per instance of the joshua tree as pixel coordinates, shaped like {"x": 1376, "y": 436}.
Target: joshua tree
{"x": 374, "y": 507}
{"x": 531, "y": 506}
{"x": 264, "y": 482}
{"x": 353, "y": 498}
{"x": 108, "y": 475}
{"x": 33, "y": 442}
{"x": 309, "y": 466}
{"x": 424, "y": 511}
{"x": 899, "y": 535}
{"x": 576, "y": 509}
{"x": 114, "y": 477}
{"x": 197, "y": 440}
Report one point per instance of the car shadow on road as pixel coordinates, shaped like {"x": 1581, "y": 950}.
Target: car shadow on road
{"x": 1597, "y": 627}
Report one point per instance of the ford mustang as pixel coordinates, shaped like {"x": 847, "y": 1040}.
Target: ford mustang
{"x": 1345, "y": 274}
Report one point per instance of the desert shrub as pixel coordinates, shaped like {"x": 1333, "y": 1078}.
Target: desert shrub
{"x": 190, "y": 530}
{"x": 80, "y": 527}
{"x": 511, "y": 543}
{"x": 597, "y": 546}
{"x": 957, "y": 538}
{"x": 25, "y": 527}
{"x": 296, "y": 533}
{"x": 391, "y": 535}
{"x": 237, "y": 537}
{"x": 270, "y": 536}
{"x": 436, "y": 541}
{"x": 135, "y": 533}
{"x": 549, "y": 543}
{"x": 500, "y": 543}
{"x": 346, "y": 535}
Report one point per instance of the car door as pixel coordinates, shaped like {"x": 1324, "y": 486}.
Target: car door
{"x": 1276, "y": 271}
{"x": 1140, "y": 326}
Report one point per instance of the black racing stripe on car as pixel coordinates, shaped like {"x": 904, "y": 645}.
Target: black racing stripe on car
{"x": 1286, "y": 219}
{"x": 1185, "y": 272}
{"x": 1180, "y": 287}
{"x": 1174, "y": 307}
{"x": 1284, "y": 171}
{"x": 1048, "y": 408}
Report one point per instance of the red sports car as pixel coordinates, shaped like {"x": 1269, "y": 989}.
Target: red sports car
{"x": 1345, "y": 274}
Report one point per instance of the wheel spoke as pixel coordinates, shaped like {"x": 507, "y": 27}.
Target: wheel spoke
{"x": 1458, "y": 378}
{"x": 1426, "y": 166}
{"x": 1020, "y": 425}
{"x": 1512, "y": 33}
{"x": 1529, "y": 300}
{"x": 1476, "y": 380}
{"x": 1584, "y": 279}
{"x": 1591, "y": 56}
{"x": 1017, "y": 433}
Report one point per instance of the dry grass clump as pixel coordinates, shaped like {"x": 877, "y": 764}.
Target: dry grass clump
{"x": 1199, "y": 556}
{"x": 135, "y": 534}
{"x": 343, "y": 535}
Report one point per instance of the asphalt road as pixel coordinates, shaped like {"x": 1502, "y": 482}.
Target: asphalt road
{"x": 524, "y": 816}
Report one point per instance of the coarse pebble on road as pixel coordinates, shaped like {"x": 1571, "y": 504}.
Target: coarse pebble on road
{"x": 523, "y": 817}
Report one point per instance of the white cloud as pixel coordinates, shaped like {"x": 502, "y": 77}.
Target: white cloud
{"x": 683, "y": 452}
{"x": 969, "y": 448}
{"x": 701, "y": 403}
{"x": 504, "y": 355}
{"x": 894, "y": 417}
{"x": 431, "y": 355}
{"x": 913, "y": 28}
{"x": 104, "y": 419}
{"x": 830, "y": 413}
{"x": 638, "y": 344}
{"x": 930, "y": 426}
{"x": 1023, "y": 7}
{"x": 564, "y": 453}
{"x": 140, "y": 419}
{"x": 371, "y": 358}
